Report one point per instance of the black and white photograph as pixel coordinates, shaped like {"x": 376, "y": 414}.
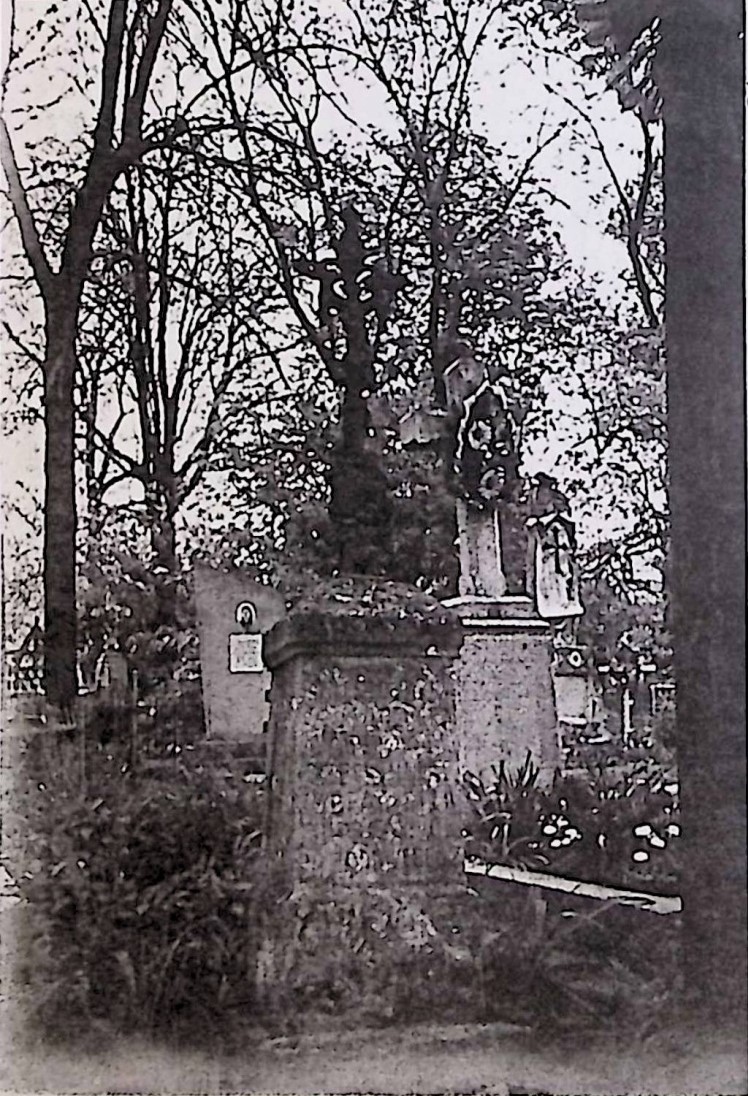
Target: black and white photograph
{"x": 373, "y": 547}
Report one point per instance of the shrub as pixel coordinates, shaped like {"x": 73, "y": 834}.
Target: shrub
{"x": 560, "y": 968}
{"x": 143, "y": 899}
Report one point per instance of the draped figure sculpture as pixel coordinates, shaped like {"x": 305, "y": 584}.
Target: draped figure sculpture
{"x": 516, "y": 536}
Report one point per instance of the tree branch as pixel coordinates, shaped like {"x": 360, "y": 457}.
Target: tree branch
{"x": 29, "y": 235}
{"x": 111, "y": 65}
{"x": 134, "y": 107}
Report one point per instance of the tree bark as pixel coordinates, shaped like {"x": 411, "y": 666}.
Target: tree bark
{"x": 60, "y": 610}
{"x": 701, "y": 74}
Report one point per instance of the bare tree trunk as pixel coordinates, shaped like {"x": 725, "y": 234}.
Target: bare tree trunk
{"x": 703, "y": 83}
{"x": 60, "y": 610}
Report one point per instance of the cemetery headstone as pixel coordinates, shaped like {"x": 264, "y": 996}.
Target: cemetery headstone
{"x": 517, "y": 578}
{"x": 578, "y": 698}
{"x": 233, "y": 613}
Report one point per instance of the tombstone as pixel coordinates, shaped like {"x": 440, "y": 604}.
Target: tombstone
{"x": 23, "y": 669}
{"x": 509, "y": 589}
{"x": 577, "y": 697}
{"x": 363, "y": 766}
{"x": 485, "y": 468}
{"x": 112, "y": 674}
{"x": 555, "y": 579}
{"x": 233, "y": 614}
{"x": 505, "y": 704}
{"x": 661, "y": 699}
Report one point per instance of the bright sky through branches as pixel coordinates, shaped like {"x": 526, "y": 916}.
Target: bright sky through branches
{"x": 526, "y": 96}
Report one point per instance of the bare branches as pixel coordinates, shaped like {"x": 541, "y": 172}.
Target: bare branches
{"x": 133, "y": 111}
{"x": 21, "y": 345}
{"x": 632, "y": 212}
{"x": 27, "y": 225}
{"x": 523, "y": 174}
{"x": 94, "y": 22}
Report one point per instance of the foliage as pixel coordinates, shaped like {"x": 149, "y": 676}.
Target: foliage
{"x": 143, "y": 897}
{"x": 148, "y": 614}
{"x": 573, "y": 969}
{"x": 624, "y": 633}
{"x": 560, "y": 963}
{"x": 180, "y": 400}
{"x": 458, "y": 245}
{"x": 57, "y": 206}
{"x": 617, "y": 824}
{"x": 298, "y": 548}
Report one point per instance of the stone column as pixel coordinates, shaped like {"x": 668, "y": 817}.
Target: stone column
{"x": 363, "y": 768}
{"x": 505, "y": 702}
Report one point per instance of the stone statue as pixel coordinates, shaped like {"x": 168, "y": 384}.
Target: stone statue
{"x": 553, "y": 552}
{"x": 516, "y": 536}
{"x": 485, "y": 461}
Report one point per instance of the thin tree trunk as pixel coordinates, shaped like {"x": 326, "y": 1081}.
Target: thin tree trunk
{"x": 60, "y": 610}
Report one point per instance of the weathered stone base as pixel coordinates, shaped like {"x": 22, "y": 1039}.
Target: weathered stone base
{"x": 505, "y": 704}
{"x": 350, "y": 947}
{"x": 363, "y": 777}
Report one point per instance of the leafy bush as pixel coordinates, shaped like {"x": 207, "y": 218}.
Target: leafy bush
{"x": 143, "y": 899}
{"x": 149, "y": 614}
{"x": 615, "y": 824}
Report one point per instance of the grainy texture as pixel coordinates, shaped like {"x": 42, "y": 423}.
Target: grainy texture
{"x": 363, "y": 771}
{"x": 235, "y": 703}
{"x": 505, "y": 705}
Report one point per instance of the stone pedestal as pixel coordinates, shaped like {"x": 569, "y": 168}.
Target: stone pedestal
{"x": 505, "y": 704}
{"x": 363, "y": 752}
{"x": 363, "y": 769}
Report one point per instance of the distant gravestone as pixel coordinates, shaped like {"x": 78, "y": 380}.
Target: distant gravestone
{"x": 233, "y": 614}
{"x": 577, "y": 699}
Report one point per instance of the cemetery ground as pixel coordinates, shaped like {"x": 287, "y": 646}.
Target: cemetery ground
{"x": 462, "y": 1059}
{"x": 327, "y": 906}
{"x": 141, "y": 948}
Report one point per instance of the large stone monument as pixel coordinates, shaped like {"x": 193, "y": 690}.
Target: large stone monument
{"x": 517, "y": 580}
{"x": 363, "y": 767}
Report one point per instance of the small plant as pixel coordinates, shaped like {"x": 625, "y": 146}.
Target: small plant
{"x": 507, "y": 811}
{"x": 617, "y": 825}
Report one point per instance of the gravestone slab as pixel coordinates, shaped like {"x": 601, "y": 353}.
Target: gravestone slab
{"x": 577, "y": 700}
{"x": 233, "y": 614}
